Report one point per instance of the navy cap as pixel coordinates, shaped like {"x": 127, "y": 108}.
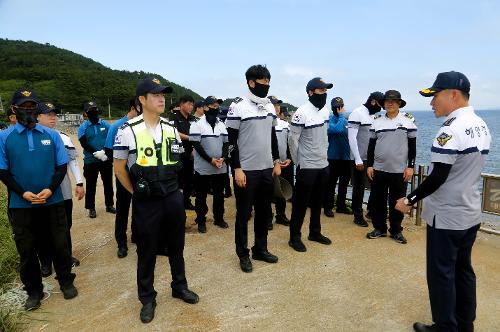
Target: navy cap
{"x": 211, "y": 100}
{"x": 223, "y": 112}
{"x": 151, "y": 85}
{"x": 317, "y": 83}
{"x": 284, "y": 110}
{"x": 22, "y": 96}
{"x": 199, "y": 103}
{"x": 393, "y": 95}
{"x": 89, "y": 105}
{"x": 448, "y": 80}
{"x": 377, "y": 95}
{"x": 45, "y": 108}
{"x": 274, "y": 100}
{"x": 337, "y": 102}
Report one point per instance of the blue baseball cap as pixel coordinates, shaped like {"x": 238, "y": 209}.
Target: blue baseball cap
{"x": 89, "y": 105}
{"x": 274, "y": 100}
{"x": 223, "y": 112}
{"x": 211, "y": 100}
{"x": 451, "y": 80}
{"x": 151, "y": 85}
{"x": 337, "y": 102}
{"x": 22, "y": 96}
{"x": 45, "y": 108}
{"x": 199, "y": 103}
{"x": 317, "y": 83}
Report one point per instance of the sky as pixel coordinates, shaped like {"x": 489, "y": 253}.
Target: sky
{"x": 359, "y": 46}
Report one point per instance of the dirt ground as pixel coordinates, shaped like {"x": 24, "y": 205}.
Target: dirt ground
{"x": 355, "y": 284}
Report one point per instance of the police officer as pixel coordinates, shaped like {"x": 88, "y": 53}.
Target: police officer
{"x": 150, "y": 147}
{"x": 308, "y": 142}
{"x": 182, "y": 119}
{"x": 339, "y": 162}
{"x": 36, "y": 201}
{"x": 255, "y": 160}
{"x": 199, "y": 109}
{"x": 123, "y": 197}
{"x": 92, "y": 136}
{"x": 282, "y": 129}
{"x": 48, "y": 118}
{"x": 209, "y": 138}
{"x": 391, "y": 159}
{"x": 228, "y": 192}
{"x": 359, "y": 123}
{"x": 452, "y": 205}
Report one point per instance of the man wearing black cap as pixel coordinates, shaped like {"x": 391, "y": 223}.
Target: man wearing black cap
{"x": 391, "y": 159}
{"x": 123, "y": 197}
{"x": 255, "y": 160}
{"x": 182, "y": 120}
{"x": 36, "y": 202}
{"x": 282, "y": 129}
{"x": 359, "y": 123}
{"x": 453, "y": 214}
{"x": 339, "y": 160}
{"x": 48, "y": 118}
{"x": 146, "y": 158}
{"x": 308, "y": 143}
{"x": 92, "y": 136}
{"x": 209, "y": 138}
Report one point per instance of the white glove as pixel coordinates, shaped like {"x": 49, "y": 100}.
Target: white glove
{"x": 101, "y": 155}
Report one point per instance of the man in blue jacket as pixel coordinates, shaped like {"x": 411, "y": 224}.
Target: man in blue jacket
{"x": 339, "y": 159}
{"x": 92, "y": 136}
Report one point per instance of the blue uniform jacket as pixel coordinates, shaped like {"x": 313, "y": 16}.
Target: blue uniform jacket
{"x": 338, "y": 141}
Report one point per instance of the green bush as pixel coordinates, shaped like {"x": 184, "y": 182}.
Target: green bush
{"x": 9, "y": 259}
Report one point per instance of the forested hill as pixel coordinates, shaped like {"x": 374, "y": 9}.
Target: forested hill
{"x": 69, "y": 79}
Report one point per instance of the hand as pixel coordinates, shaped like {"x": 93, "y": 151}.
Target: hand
{"x": 101, "y": 155}
{"x": 79, "y": 192}
{"x": 34, "y": 199}
{"x": 401, "y": 206}
{"x": 240, "y": 178}
{"x": 369, "y": 172}
{"x": 45, "y": 194}
{"x": 408, "y": 174}
{"x": 286, "y": 163}
{"x": 214, "y": 162}
{"x": 360, "y": 167}
{"x": 221, "y": 162}
{"x": 277, "y": 169}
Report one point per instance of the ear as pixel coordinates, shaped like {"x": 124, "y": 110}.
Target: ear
{"x": 251, "y": 83}
{"x": 310, "y": 93}
{"x": 373, "y": 102}
{"x": 142, "y": 99}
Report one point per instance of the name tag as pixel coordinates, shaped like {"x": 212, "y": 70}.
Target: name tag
{"x": 103, "y": 129}
{"x": 175, "y": 148}
{"x": 45, "y": 141}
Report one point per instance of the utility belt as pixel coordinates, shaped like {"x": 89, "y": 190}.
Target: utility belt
{"x": 154, "y": 181}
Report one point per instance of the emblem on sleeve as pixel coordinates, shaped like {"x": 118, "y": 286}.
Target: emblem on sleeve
{"x": 443, "y": 138}
{"x": 296, "y": 118}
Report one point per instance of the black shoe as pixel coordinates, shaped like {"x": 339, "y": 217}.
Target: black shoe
{"x": 110, "y": 209}
{"x": 122, "y": 252}
{"x": 74, "y": 262}
{"x": 329, "y": 213}
{"x": 69, "y": 291}
{"x": 148, "y": 312}
{"x": 375, "y": 234}
{"x": 344, "y": 210}
{"x": 92, "y": 213}
{"x": 298, "y": 245}
{"x": 270, "y": 226}
{"x": 399, "y": 238}
{"x": 319, "y": 238}
{"x": 186, "y": 295}
{"x": 246, "y": 264}
{"x": 46, "y": 270}
{"x": 228, "y": 194}
{"x": 265, "y": 256}
{"x": 33, "y": 301}
{"x": 188, "y": 206}
{"x": 202, "y": 227}
{"x": 221, "y": 224}
{"x": 360, "y": 221}
{"x": 419, "y": 327}
{"x": 282, "y": 220}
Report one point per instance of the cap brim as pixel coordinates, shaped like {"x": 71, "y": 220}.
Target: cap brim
{"x": 25, "y": 100}
{"x": 403, "y": 103}
{"x": 162, "y": 89}
{"x": 429, "y": 92}
{"x": 55, "y": 110}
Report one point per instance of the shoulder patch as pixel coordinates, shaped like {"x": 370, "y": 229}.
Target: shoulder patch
{"x": 376, "y": 116}
{"x": 448, "y": 122}
{"x": 409, "y": 116}
{"x": 237, "y": 100}
{"x": 443, "y": 138}
{"x": 125, "y": 125}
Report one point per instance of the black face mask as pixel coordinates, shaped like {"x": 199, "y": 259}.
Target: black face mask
{"x": 317, "y": 100}
{"x": 372, "y": 109}
{"x": 27, "y": 117}
{"x": 260, "y": 90}
{"x": 211, "y": 115}
{"x": 93, "y": 116}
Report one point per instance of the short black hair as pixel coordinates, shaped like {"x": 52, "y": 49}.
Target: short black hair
{"x": 186, "y": 99}
{"x": 257, "y": 72}
{"x": 174, "y": 105}
{"x": 466, "y": 95}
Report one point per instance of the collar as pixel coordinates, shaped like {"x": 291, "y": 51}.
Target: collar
{"x": 460, "y": 111}
{"x": 397, "y": 115}
{"x": 98, "y": 122}
{"x": 20, "y": 128}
